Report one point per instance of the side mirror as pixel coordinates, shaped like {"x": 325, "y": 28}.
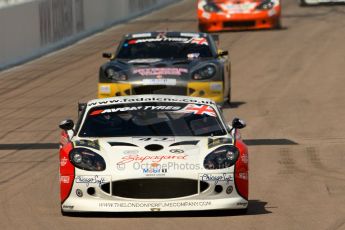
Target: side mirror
{"x": 222, "y": 53}
{"x": 66, "y": 125}
{"x": 107, "y": 55}
{"x": 238, "y": 123}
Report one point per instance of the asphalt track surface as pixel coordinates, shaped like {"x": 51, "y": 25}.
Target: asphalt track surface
{"x": 287, "y": 84}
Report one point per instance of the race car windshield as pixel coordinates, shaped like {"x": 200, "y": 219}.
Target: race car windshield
{"x": 152, "y": 119}
{"x": 173, "y": 48}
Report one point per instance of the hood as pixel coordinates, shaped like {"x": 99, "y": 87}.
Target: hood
{"x": 160, "y": 68}
{"x": 155, "y": 156}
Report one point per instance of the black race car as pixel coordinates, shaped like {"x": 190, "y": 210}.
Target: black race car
{"x": 176, "y": 63}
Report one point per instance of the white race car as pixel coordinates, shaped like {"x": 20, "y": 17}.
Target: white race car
{"x": 315, "y": 2}
{"x": 152, "y": 153}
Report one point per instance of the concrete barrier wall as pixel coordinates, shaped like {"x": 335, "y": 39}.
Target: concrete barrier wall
{"x": 34, "y": 28}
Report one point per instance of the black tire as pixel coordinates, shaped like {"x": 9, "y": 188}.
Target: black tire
{"x": 302, "y": 3}
{"x": 278, "y": 25}
{"x": 201, "y": 28}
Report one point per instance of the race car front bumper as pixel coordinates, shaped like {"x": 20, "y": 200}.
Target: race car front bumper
{"x": 96, "y": 205}
{"x": 213, "y": 22}
{"x": 99, "y": 193}
{"x": 212, "y": 90}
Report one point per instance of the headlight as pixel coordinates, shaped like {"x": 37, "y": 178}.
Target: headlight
{"x": 116, "y": 75}
{"x": 265, "y": 5}
{"x": 204, "y": 73}
{"x": 223, "y": 157}
{"x": 211, "y": 7}
{"x": 86, "y": 159}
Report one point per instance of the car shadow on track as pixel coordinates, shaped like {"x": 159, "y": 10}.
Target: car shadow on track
{"x": 233, "y": 104}
{"x": 29, "y": 146}
{"x": 256, "y": 207}
{"x": 326, "y": 4}
{"x": 283, "y": 27}
{"x": 269, "y": 142}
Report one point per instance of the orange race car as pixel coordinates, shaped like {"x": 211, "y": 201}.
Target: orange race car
{"x": 217, "y": 15}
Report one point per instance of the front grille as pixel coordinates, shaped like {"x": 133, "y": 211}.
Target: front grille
{"x": 160, "y": 89}
{"x": 239, "y": 24}
{"x": 155, "y": 188}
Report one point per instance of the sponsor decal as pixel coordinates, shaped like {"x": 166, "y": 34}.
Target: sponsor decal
{"x": 145, "y": 60}
{"x": 216, "y": 86}
{"x": 121, "y": 167}
{"x": 93, "y": 180}
{"x": 150, "y": 99}
{"x": 159, "y": 81}
{"x": 271, "y": 12}
{"x": 243, "y": 175}
{"x": 193, "y": 55}
{"x": 159, "y": 139}
{"x": 244, "y": 158}
{"x": 63, "y": 161}
{"x": 194, "y": 35}
{"x": 159, "y": 39}
{"x": 105, "y": 89}
{"x": 193, "y": 40}
{"x": 219, "y": 141}
{"x": 154, "y": 169}
{"x": 64, "y": 179}
{"x": 199, "y": 109}
{"x": 160, "y": 71}
{"x": 216, "y": 178}
{"x": 135, "y": 108}
{"x": 130, "y": 152}
{"x": 239, "y": 8}
{"x": 63, "y": 140}
{"x": 150, "y": 205}
{"x": 206, "y": 15}
{"x": 68, "y": 206}
{"x": 114, "y": 110}
{"x": 143, "y": 35}
{"x": 153, "y": 158}
{"x": 176, "y": 151}
{"x": 199, "y": 41}
{"x": 242, "y": 204}
{"x": 228, "y": 6}
{"x": 87, "y": 143}
{"x": 247, "y": 6}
